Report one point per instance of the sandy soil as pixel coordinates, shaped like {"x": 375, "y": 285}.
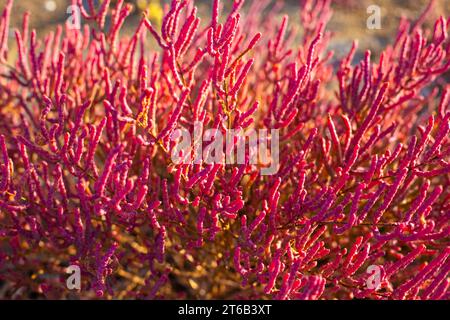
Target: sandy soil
{"x": 348, "y": 21}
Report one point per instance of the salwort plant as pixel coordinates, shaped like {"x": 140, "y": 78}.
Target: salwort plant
{"x": 358, "y": 207}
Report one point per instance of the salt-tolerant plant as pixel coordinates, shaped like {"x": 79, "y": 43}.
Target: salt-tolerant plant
{"x": 86, "y": 177}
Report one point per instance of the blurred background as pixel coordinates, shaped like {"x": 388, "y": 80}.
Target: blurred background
{"x": 348, "y": 21}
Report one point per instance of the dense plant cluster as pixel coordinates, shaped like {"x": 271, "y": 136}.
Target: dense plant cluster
{"x": 86, "y": 178}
